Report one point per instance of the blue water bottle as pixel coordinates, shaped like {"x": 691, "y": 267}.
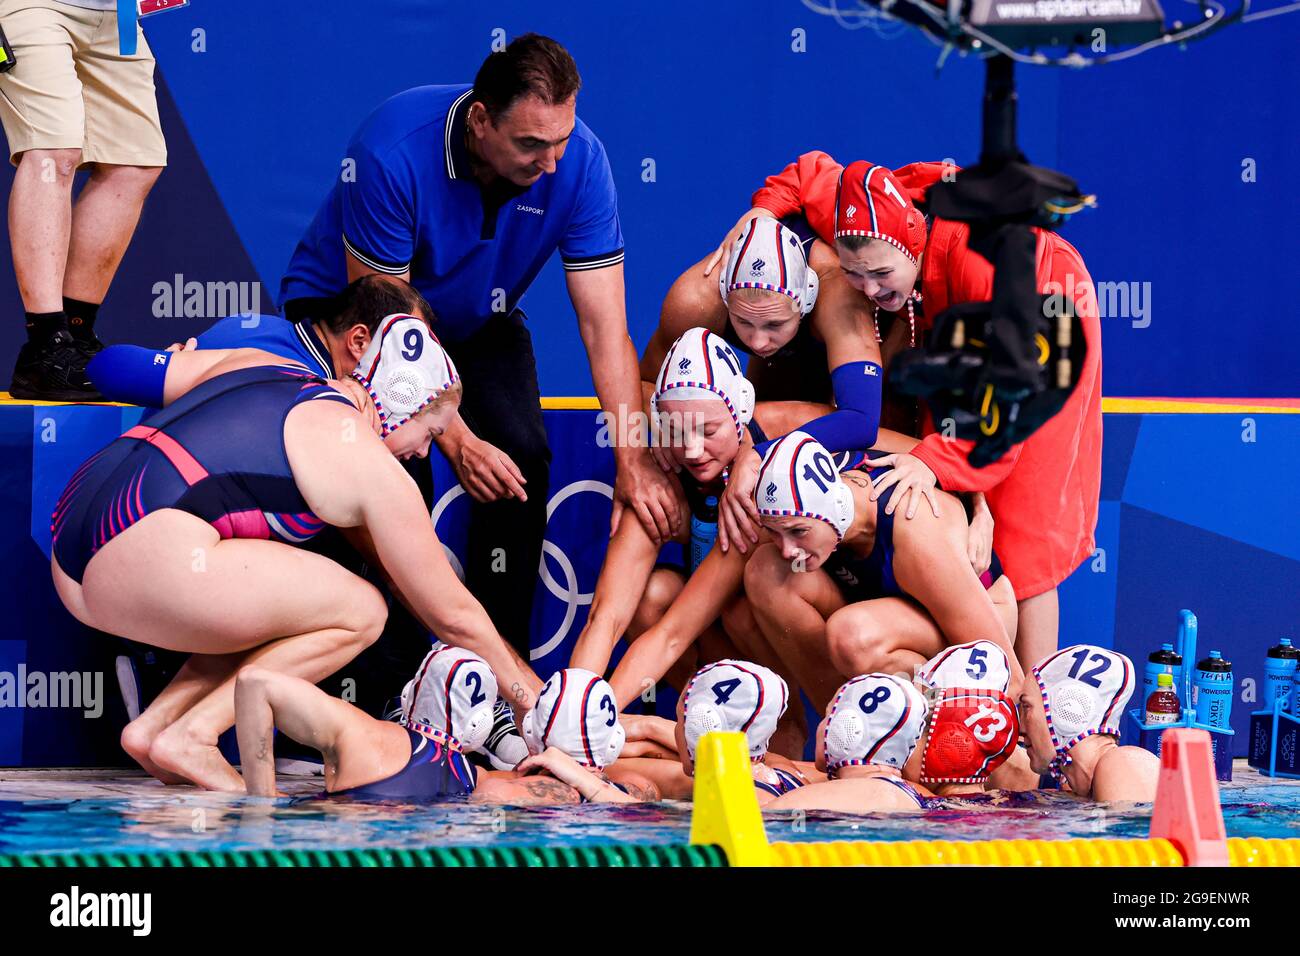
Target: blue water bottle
{"x": 1212, "y": 690}
{"x": 1279, "y": 673}
{"x": 704, "y": 531}
{"x": 1164, "y": 661}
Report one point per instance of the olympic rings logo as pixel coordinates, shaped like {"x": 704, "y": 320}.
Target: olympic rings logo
{"x": 569, "y": 593}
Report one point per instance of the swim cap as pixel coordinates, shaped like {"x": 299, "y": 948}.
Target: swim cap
{"x": 734, "y": 695}
{"x": 972, "y": 732}
{"x": 701, "y": 365}
{"x": 768, "y": 255}
{"x": 871, "y": 202}
{"x": 874, "y": 719}
{"x": 1084, "y": 692}
{"x": 404, "y": 368}
{"x": 453, "y": 692}
{"x": 576, "y": 712}
{"x": 977, "y": 664}
{"x": 798, "y": 480}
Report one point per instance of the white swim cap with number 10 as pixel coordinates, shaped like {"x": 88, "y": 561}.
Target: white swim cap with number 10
{"x": 798, "y": 479}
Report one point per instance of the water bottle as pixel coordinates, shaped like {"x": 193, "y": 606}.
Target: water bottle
{"x": 1279, "y": 673}
{"x": 1212, "y": 691}
{"x": 1163, "y": 661}
{"x": 1163, "y": 706}
{"x": 704, "y": 531}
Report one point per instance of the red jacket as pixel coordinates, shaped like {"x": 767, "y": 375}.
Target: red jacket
{"x": 1044, "y": 492}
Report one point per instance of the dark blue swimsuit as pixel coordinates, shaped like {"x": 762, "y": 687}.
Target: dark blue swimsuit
{"x": 872, "y": 576}
{"x": 217, "y": 452}
{"x": 434, "y": 772}
{"x": 786, "y": 781}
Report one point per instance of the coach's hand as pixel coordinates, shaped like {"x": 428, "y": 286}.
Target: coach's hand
{"x": 484, "y": 470}
{"x": 643, "y": 487}
{"x": 737, "y": 513}
{"x": 721, "y": 252}
{"x": 909, "y": 475}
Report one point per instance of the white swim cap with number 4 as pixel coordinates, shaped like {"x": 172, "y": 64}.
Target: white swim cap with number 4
{"x": 576, "y": 712}
{"x": 453, "y": 692}
{"x": 734, "y": 696}
{"x": 978, "y": 664}
{"x": 404, "y": 368}
{"x": 1084, "y": 692}
{"x": 798, "y": 479}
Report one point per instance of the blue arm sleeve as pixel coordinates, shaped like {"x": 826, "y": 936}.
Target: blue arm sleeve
{"x": 856, "y": 419}
{"x": 131, "y": 374}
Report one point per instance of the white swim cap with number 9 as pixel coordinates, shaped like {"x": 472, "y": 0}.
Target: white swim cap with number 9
{"x": 404, "y": 368}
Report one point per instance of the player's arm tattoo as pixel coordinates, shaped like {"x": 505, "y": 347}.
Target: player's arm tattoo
{"x": 547, "y": 790}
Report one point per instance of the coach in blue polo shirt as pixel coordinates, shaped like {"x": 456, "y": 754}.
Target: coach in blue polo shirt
{"x": 467, "y": 191}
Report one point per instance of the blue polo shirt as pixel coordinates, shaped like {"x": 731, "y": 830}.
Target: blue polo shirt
{"x": 270, "y": 333}
{"x": 412, "y": 202}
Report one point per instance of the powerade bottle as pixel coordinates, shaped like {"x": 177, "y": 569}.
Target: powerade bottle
{"x": 704, "y": 531}
{"x": 1212, "y": 689}
{"x": 1279, "y": 673}
{"x": 1164, "y": 661}
{"x": 1162, "y": 705}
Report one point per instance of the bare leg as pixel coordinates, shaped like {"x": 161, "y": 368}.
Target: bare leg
{"x": 742, "y": 627}
{"x": 791, "y": 609}
{"x": 40, "y": 224}
{"x": 885, "y": 636}
{"x": 171, "y": 582}
{"x": 1039, "y": 633}
{"x": 103, "y": 221}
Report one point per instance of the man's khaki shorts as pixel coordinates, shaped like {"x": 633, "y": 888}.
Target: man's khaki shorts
{"x": 71, "y": 89}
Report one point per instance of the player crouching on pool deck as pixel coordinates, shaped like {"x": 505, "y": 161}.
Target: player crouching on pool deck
{"x": 845, "y": 589}
{"x": 446, "y": 713}
{"x": 705, "y": 416}
{"x": 745, "y": 698}
{"x": 1071, "y": 713}
{"x": 573, "y": 736}
{"x": 183, "y": 533}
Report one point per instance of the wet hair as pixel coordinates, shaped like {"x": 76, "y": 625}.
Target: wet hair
{"x": 372, "y": 297}
{"x": 531, "y": 65}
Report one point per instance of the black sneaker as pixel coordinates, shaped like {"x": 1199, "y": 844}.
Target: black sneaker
{"x": 87, "y": 346}
{"x": 53, "y": 372}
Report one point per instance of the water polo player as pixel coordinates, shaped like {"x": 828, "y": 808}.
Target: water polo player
{"x": 446, "y": 714}
{"x": 1043, "y": 494}
{"x": 845, "y": 589}
{"x": 867, "y": 739}
{"x": 740, "y": 697}
{"x": 1070, "y": 713}
{"x": 707, "y": 414}
{"x": 181, "y": 534}
{"x": 573, "y": 736}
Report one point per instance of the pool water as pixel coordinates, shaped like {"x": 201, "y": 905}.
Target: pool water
{"x": 71, "y": 811}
